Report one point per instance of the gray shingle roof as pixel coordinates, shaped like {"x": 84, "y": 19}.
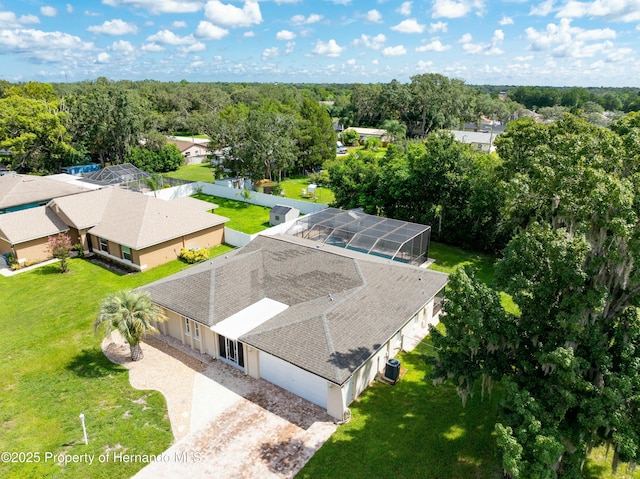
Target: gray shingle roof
{"x": 24, "y": 189}
{"x": 343, "y": 306}
{"x": 30, "y": 224}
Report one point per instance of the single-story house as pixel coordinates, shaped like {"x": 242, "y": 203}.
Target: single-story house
{"x": 365, "y": 133}
{"x": 19, "y": 192}
{"x": 129, "y": 228}
{"x": 25, "y": 233}
{"x": 314, "y": 319}
{"x": 194, "y": 152}
{"x": 282, "y": 213}
{"x": 480, "y": 141}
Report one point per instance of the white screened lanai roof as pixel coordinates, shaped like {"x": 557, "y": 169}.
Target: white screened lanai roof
{"x": 249, "y": 318}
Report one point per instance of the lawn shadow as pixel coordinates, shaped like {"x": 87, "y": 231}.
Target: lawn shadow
{"x": 110, "y": 266}
{"x": 48, "y": 269}
{"x": 413, "y": 429}
{"x": 92, "y": 363}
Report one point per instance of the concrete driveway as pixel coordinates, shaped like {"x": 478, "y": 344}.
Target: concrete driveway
{"x": 226, "y": 424}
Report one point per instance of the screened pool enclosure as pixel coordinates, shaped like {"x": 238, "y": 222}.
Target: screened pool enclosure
{"x": 394, "y": 239}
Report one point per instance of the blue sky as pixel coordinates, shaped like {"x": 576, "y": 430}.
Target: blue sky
{"x": 513, "y": 42}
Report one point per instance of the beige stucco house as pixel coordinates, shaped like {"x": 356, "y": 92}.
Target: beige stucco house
{"x": 194, "y": 152}
{"x": 317, "y": 320}
{"x": 135, "y": 230}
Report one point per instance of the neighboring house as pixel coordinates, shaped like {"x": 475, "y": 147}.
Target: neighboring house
{"x": 25, "y": 233}
{"x": 282, "y": 213}
{"x": 480, "y": 141}
{"x": 194, "y": 152}
{"x": 365, "y": 133}
{"x": 19, "y": 192}
{"x": 317, "y": 320}
{"x": 132, "y": 229}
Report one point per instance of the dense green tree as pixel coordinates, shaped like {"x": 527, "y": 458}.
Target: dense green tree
{"x": 569, "y": 360}
{"x": 108, "y": 120}
{"x": 167, "y": 158}
{"x": 33, "y": 130}
{"x": 316, "y": 136}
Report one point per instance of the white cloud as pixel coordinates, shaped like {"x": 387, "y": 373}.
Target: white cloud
{"x": 405, "y": 9}
{"x": 42, "y": 46}
{"x": 270, "y": 53}
{"x": 438, "y": 27}
{"x": 290, "y": 47}
{"x": 167, "y": 37}
{"x": 351, "y": 61}
{"x": 375, "y": 43}
{"x": 228, "y": 15}
{"x": 434, "y": 46}
{"x": 567, "y": 40}
{"x": 373, "y": 16}
{"x": 122, "y": 46}
{"x": 527, "y": 58}
{"x": 195, "y": 47}
{"x": 302, "y": 20}
{"x": 103, "y": 57}
{"x": 492, "y": 48}
{"x": 455, "y": 9}
{"x": 114, "y": 27}
{"x": 48, "y": 11}
{"x": 209, "y": 31}
{"x": 158, "y": 7}
{"x": 179, "y": 24}
{"x": 394, "y": 51}
{"x": 152, "y": 47}
{"x": 408, "y": 26}
{"x": 285, "y": 35}
{"x": 423, "y": 66}
{"x": 506, "y": 20}
{"x": 543, "y": 9}
{"x": 69, "y": 8}
{"x": 249, "y": 34}
{"x": 328, "y": 49}
{"x": 466, "y": 38}
{"x": 617, "y": 11}
{"x": 9, "y": 20}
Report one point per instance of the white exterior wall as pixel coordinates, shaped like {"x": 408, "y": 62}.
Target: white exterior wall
{"x": 298, "y": 381}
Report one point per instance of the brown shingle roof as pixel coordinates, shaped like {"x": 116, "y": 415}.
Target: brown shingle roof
{"x": 30, "y": 224}
{"x": 343, "y": 306}
{"x": 134, "y": 219}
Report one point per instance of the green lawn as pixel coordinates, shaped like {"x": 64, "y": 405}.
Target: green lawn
{"x": 293, "y": 189}
{"x": 202, "y": 172}
{"x": 53, "y": 369}
{"x": 417, "y": 430}
{"x": 244, "y": 217}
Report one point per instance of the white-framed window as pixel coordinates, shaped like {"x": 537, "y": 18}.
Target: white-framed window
{"x": 126, "y": 253}
{"x": 104, "y": 245}
{"x": 187, "y": 327}
{"x": 196, "y": 331}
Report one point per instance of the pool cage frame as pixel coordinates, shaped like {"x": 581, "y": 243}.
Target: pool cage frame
{"x": 354, "y": 230}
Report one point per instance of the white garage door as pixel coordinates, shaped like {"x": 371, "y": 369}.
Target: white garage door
{"x": 294, "y": 379}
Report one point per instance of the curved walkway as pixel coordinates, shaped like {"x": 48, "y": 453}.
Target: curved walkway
{"x": 226, "y": 424}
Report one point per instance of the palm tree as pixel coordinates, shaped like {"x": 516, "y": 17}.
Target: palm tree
{"x": 132, "y": 315}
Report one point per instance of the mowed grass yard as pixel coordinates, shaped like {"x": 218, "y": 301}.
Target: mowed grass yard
{"x": 53, "y": 369}
{"x": 243, "y": 217}
{"x": 417, "y": 430}
{"x": 292, "y": 187}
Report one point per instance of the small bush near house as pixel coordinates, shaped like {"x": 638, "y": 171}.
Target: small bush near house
{"x": 193, "y": 255}
{"x": 60, "y": 247}
{"x": 15, "y": 266}
{"x": 372, "y": 143}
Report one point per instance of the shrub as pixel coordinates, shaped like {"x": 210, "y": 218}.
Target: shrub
{"x": 79, "y": 250}
{"x": 193, "y": 255}
{"x": 60, "y": 247}
{"x": 11, "y": 259}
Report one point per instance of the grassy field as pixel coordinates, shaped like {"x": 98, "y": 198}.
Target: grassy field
{"x": 293, "y": 189}
{"x": 202, "y": 172}
{"x": 53, "y": 369}
{"x": 244, "y": 217}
